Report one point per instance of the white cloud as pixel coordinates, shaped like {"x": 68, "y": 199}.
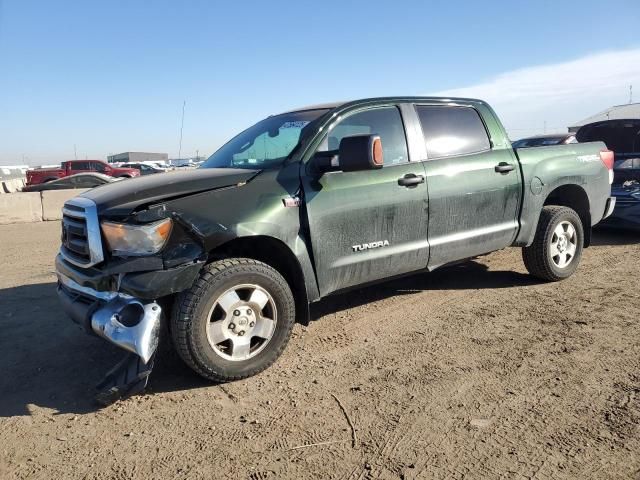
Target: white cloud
{"x": 558, "y": 94}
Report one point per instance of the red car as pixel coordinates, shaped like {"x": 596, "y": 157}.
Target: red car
{"x": 71, "y": 167}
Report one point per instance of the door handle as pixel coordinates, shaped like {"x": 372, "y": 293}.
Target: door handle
{"x": 410, "y": 180}
{"x": 504, "y": 168}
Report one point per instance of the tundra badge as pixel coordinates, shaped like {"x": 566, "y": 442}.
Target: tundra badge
{"x": 368, "y": 246}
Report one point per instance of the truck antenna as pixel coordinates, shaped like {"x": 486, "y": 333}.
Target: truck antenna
{"x": 184, "y": 103}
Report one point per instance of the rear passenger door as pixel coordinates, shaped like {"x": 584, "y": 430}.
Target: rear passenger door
{"x": 474, "y": 189}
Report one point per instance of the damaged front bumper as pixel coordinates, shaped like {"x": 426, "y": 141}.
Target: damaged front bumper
{"x": 121, "y": 307}
{"x": 128, "y": 322}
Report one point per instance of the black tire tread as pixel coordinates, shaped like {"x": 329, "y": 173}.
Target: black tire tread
{"x": 181, "y": 324}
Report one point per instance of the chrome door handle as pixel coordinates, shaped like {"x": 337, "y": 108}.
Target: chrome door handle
{"x": 410, "y": 180}
{"x": 504, "y": 167}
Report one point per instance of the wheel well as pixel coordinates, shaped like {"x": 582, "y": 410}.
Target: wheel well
{"x": 276, "y": 254}
{"x": 576, "y": 198}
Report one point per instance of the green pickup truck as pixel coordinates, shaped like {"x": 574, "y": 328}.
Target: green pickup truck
{"x": 224, "y": 259}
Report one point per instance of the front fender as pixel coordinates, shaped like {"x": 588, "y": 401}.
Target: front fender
{"x": 254, "y": 209}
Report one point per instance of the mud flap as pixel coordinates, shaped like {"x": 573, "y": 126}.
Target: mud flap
{"x": 128, "y": 377}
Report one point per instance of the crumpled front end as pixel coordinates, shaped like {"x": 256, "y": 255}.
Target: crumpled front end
{"x": 117, "y": 298}
{"x": 130, "y": 323}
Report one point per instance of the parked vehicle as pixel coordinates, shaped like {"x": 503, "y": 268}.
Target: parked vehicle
{"x": 545, "y": 140}
{"x": 79, "y": 180}
{"x": 308, "y": 203}
{"x": 182, "y": 162}
{"x": 623, "y": 137}
{"x": 144, "y": 168}
{"x": 71, "y": 167}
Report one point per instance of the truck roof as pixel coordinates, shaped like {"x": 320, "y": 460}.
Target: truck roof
{"x": 332, "y": 105}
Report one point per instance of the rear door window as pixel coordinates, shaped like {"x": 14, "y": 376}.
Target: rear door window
{"x": 97, "y": 167}
{"x": 86, "y": 181}
{"x": 452, "y": 130}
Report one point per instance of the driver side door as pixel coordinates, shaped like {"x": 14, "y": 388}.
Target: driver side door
{"x": 371, "y": 224}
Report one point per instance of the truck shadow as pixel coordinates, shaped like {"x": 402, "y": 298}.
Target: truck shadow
{"x": 470, "y": 275}
{"x": 50, "y": 366}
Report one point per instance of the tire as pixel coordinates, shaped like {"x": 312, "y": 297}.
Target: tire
{"x": 209, "y": 312}
{"x": 549, "y": 257}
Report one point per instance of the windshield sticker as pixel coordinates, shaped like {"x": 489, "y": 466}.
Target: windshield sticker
{"x": 297, "y": 124}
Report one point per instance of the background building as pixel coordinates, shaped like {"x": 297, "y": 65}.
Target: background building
{"x": 138, "y": 157}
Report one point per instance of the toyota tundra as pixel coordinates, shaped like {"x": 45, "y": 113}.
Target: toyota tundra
{"x": 223, "y": 260}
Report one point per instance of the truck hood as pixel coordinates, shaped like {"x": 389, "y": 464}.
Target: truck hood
{"x": 125, "y": 196}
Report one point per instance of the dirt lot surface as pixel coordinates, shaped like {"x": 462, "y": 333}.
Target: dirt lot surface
{"x": 476, "y": 371}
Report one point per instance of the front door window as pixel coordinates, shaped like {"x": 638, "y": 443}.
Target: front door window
{"x": 385, "y": 122}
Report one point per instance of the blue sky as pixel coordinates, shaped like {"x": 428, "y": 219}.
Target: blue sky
{"x": 110, "y": 76}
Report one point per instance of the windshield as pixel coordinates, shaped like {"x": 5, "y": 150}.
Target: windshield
{"x": 267, "y": 144}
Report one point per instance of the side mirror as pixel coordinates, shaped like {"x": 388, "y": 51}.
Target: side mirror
{"x": 360, "y": 152}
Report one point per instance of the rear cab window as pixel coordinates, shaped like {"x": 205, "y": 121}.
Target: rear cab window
{"x": 452, "y": 130}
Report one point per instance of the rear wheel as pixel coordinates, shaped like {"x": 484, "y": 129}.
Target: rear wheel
{"x": 235, "y": 321}
{"x": 557, "y": 247}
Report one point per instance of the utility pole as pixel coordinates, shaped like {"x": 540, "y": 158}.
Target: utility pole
{"x": 75, "y": 152}
{"x": 184, "y": 103}
{"x": 630, "y": 93}
{"x": 545, "y": 127}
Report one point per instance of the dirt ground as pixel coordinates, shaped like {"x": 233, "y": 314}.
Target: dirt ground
{"x": 475, "y": 371}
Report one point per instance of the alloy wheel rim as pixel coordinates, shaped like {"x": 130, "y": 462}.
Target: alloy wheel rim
{"x": 563, "y": 245}
{"x": 241, "y": 322}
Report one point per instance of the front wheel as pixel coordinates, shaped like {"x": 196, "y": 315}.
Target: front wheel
{"x": 235, "y": 321}
{"x": 557, "y": 247}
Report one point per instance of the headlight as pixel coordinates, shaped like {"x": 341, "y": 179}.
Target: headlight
{"x": 136, "y": 240}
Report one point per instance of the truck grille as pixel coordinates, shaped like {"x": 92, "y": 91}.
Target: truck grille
{"x": 81, "y": 240}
